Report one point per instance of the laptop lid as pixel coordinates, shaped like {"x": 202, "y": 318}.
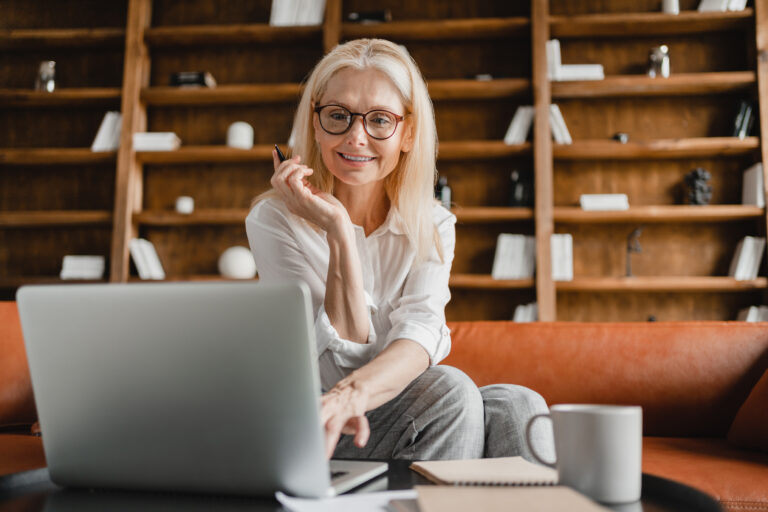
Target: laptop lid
{"x": 201, "y": 387}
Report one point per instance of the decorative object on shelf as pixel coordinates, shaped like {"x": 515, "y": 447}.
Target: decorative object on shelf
{"x": 747, "y": 258}
{"x": 558, "y": 72}
{"x": 561, "y": 249}
{"x": 753, "y": 314}
{"x": 526, "y": 312}
{"x": 379, "y": 16}
{"x": 699, "y": 191}
{"x": 145, "y": 259}
{"x": 240, "y": 135}
{"x": 46, "y": 76}
{"x": 237, "y": 263}
{"x": 658, "y": 62}
{"x": 652, "y": 318}
{"x": 633, "y": 245}
{"x": 82, "y": 267}
{"x": 483, "y": 77}
{"x": 108, "y": 136}
{"x": 558, "y": 127}
{"x": 745, "y": 118}
{"x": 752, "y": 188}
{"x": 192, "y": 79}
{"x": 521, "y": 123}
{"x": 521, "y": 190}
{"x": 290, "y": 13}
{"x": 443, "y": 192}
{"x": 185, "y": 205}
{"x": 621, "y": 137}
{"x": 604, "y": 202}
{"x": 722, "y": 5}
{"x": 670, "y": 6}
{"x": 515, "y": 257}
{"x": 155, "y": 141}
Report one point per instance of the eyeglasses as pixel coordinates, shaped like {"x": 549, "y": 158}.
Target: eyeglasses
{"x": 379, "y": 124}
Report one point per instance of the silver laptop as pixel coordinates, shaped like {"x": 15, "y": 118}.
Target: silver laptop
{"x": 199, "y": 387}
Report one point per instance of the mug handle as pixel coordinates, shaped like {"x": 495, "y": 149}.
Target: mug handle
{"x": 530, "y": 445}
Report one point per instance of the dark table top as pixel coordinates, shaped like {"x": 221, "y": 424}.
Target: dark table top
{"x": 33, "y": 491}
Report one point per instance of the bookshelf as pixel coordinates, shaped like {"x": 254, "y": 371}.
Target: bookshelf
{"x": 675, "y": 125}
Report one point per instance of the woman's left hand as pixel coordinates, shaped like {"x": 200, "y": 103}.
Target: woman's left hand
{"x": 343, "y": 412}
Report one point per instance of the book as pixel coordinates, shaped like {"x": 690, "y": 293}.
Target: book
{"x": 155, "y": 141}
{"x": 752, "y": 187}
{"x": 747, "y": 258}
{"x": 108, "y": 136}
{"x": 515, "y": 257}
{"x": 737, "y": 5}
{"x": 518, "y": 129}
{"x": 145, "y": 258}
{"x": 553, "y": 59}
{"x": 604, "y": 202}
{"x": 753, "y": 314}
{"x": 82, "y": 267}
{"x": 286, "y": 13}
{"x": 581, "y": 72}
{"x": 561, "y": 247}
{"x": 526, "y": 313}
{"x": 433, "y": 498}
{"x": 497, "y": 471}
{"x": 713, "y": 5}
{"x": 557, "y": 126}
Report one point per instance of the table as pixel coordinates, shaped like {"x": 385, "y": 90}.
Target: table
{"x": 33, "y": 491}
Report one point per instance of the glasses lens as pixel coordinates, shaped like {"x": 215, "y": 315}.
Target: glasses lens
{"x": 380, "y": 124}
{"x": 335, "y": 119}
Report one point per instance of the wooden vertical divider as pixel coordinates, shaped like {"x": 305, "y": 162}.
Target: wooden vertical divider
{"x": 128, "y": 184}
{"x": 761, "y": 42}
{"x": 542, "y": 162}
{"x": 332, "y": 25}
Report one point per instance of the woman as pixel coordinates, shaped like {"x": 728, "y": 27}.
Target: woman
{"x": 353, "y": 215}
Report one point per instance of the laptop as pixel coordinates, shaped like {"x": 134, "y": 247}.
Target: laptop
{"x": 192, "y": 387}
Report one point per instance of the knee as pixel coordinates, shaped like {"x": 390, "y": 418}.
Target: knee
{"x": 520, "y": 400}
{"x": 455, "y": 390}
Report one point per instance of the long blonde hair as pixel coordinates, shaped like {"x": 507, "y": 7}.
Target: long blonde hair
{"x": 410, "y": 187}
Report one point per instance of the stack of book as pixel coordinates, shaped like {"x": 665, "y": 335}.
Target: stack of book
{"x": 146, "y": 260}
{"x": 526, "y": 313}
{"x": 108, "y": 136}
{"x": 745, "y": 118}
{"x": 753, "y": 314}
{"x": 747, "y": 258}
{"x": 518, "y": 130}
{"x": 515, "y": 257}
{"x": 559, "y": 72}
{"x": 82, "y": 267}
{"x": 561, "y": 248}
{"x": 289, "y": 13}
{"x": 155, "y": 141}
{"x": 558, "y": 127}
{"x": 752, "y": 188}
{"x": 722, "y": 5}
{"x": 604, "y": 202}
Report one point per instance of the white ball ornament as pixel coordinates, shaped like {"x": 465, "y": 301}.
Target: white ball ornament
{"x": 237, "y": 263}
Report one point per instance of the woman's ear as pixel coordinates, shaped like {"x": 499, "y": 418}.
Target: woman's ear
{"x": 407, "y": 144}
{"x": 315, "y": 126}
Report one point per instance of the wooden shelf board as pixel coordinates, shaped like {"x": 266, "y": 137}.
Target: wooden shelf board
{"x": 192, "y": 35}
{"x": 648, "y": 24}
{"x": 224, "y": 216}
{"x": 185, "y": 278}
{"x": 478, "y": 89}
{"x": 491, "y": 214}
{"x": 654, "y": 149}
{"x": 206, "y": 154}
{"x": 486, "y": 282}
{"x": 659, "y": 214}
{"x": 50, "y": 156}
{"x": 221, "y": 95}
{"x": 640, "y": 85}
{"x": 30, "y": 219}
{"x": 660, "y": 284}
{"x": 447, "y": 29}
{"x": 61, "y": 38}
{"x": 60, "y": 97}
{"x": 15, "y": 282}
{"x": 481, "y": 149}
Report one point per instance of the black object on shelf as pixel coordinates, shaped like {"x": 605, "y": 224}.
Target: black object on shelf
{"x": 699, "y": 190}
{"x": 521, "y": 190}
{"x": 380, "y": 16}
{"x": 443, "y": 192}
{"x": 745, "y": 119}
{"x": 192, "y": 79}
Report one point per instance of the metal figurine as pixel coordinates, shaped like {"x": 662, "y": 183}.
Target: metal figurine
{"x": 633, "y": 245}
{"x": 699, "y": 191}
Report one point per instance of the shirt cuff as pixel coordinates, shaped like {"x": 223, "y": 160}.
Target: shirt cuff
{"x": 437, "y": 343}
{"x": 346, "y": 353}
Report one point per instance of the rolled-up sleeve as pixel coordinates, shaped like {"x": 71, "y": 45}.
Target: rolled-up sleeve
{"x": 419, "y": 314}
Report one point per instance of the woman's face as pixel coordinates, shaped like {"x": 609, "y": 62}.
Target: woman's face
{"x": 355, "y": 158}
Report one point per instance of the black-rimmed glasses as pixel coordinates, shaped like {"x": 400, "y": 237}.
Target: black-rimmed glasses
{"x": 379, "y": 124}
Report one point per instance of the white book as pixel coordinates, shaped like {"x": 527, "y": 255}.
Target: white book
{"x": 139, "y": 258}
{"x": 108, "y": 136}
{"x": 526, "y": 313}
{"x": 763, "y": 314}
{"x": 736, "y": 258}
{"x": 553, "y": 59}
{"x": 82, "y": 267}
{"x": 561, "y": 247}
{"x": 604, "y": 202}
{"x": 749, "y": 314}
{"x": 558, "y": 127}
{"x": 737, "y": 5}
{"x": 572, "y": 72}
{"x": 758, "y": 249}
{"x": 520, "y": 125}
{"x": 155, "y": 141}
{"x": 150, "y": 254}
{"x": 515, "y": 257}
{"x": 752, "y": 188}
{"x": 747, "y": 258}
{"x": 713, "y": 5}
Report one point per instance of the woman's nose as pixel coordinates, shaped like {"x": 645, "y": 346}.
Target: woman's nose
{"x": 357, "y": 132}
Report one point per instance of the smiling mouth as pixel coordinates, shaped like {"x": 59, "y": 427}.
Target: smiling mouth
{"x": 355, "y": 158}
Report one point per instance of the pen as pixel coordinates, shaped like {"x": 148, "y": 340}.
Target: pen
{"x": 280, "y": 154}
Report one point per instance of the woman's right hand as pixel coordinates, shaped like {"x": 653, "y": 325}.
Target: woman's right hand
{"x": 303, "y": 199}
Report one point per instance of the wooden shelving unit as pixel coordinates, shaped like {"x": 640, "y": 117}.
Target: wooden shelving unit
{"x": 660, "y": 214}
{"x": 661, "y": 284}
{"x": 14, "y": 39}
{"x": 485, "y": 28}
{"x": 54, "y": 218}
{"x": 48, "y": 156}
{"x": 486, "y": 282}
{"x": 657, "y": 149}
{"x": 60, "y": 97}
{"x": 676, "y": 85}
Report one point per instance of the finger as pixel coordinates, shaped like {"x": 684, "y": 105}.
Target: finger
{"x": 275, "y": 159}
{"x": 363, "y": 431}
{"x": 332, "y": 434}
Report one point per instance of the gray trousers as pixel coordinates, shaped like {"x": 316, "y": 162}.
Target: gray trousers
{"x": 443, "y": 415}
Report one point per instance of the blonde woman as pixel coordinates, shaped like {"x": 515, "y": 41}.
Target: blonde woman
{"x": 352, "y": 214}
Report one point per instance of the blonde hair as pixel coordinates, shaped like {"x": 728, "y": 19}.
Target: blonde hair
{"x": 410, "y": 187}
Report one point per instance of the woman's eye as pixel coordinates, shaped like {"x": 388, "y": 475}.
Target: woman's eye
{"x": 381, "y": 120}
{"x": 338, "y": 116}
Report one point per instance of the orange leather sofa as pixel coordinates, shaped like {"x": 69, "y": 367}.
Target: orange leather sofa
{"x": 690, "y": 379}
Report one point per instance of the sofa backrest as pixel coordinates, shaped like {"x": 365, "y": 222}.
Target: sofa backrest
{"x": 17, "y": 405}
{"x": 689, "y": 377}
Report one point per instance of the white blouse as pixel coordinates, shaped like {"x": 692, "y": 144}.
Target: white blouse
{"x": 405, "y": 300}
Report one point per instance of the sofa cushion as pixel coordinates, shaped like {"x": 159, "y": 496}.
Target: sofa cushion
{"x": 750, "y": 427}
{"x": 20, "y": 453}
{"x": 737, "y": 478}
{"x": 17, "y": 405}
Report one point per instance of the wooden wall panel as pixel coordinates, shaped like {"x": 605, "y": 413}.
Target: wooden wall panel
{"x": 486, "y": 304}
{"x": 49, "y": 127}
{"x": 410, "y": 10}
{"x": 599, "y": 250}
{"x": 76, "y": 67}
{"x": 205, "y": 12}
{"x": 483, "y": 182}
{"x": 476, "y": 244}
{"x": 647, "y": 182}
{"x": 474, "y": 119}
{"x": 30, "y": 14}
{"x": 69, "y": 187}
{"x": 573, "y": 7}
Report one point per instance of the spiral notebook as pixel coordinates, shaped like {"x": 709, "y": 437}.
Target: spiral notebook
{"x": 498, "y": 471}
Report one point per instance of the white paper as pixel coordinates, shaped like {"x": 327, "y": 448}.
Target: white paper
{"x": 363, "y": 502}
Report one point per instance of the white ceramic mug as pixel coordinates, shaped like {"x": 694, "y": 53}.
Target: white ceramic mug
{"x": 599, "y": 449}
